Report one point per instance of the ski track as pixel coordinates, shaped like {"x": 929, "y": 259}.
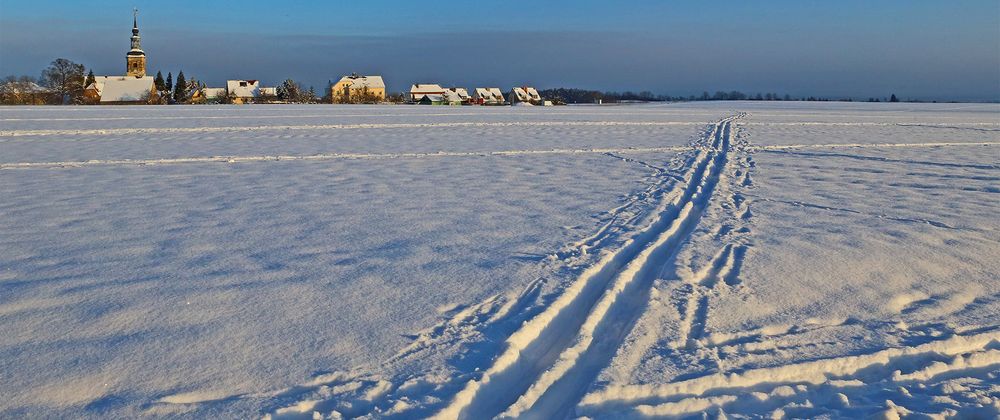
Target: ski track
{"x": 549, "y": 363}
{"x": 558, "y": 344}
{"x": 325, "y": 156}
{"x": 720, "y": 274}
{"x": 771, "y": 387}
{"x": 160, "y": 130}
{"x": 612, "y": 152}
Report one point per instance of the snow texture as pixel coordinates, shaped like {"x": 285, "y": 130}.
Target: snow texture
{"x": 732, "y": 259}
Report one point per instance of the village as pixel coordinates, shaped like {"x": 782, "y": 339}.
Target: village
{"x": 138, "y": 87}
{"x": 65, "y": 82}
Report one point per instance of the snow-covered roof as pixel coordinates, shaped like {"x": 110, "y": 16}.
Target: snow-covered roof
{"x": 425, "y": 88}
{"x": 23, "y": 87}
{"x": 358, "y": 82}
{"x": 489, "y": 94}
{"x": 525, "y": 93}
{"x": 244, "y": 88}
{"x": 456, "y": 95}
{"x": 214, "y": 92}
{"x": 123, "y": 88}
{"x": 432, "y": 97}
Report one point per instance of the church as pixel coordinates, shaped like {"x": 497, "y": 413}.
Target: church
{"x": 135, "y": 87}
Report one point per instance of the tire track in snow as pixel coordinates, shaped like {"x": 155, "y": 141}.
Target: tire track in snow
{"x": 551, "y": 360}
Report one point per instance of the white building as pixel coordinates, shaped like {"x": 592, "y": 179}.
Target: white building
{"x": 213, "y": 93}
{"x": 456, "y": 96}
{"x": 122, "y": 89}
{"x": 525, "y": 95}
{"x": 244, "y": 89}
{"x": 419, "y": 90}
{"x": 488, "y": 96}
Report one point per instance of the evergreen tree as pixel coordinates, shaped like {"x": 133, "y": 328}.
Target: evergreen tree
{"x": 181, "y": 89}
{"x": 328, "y": 96}
{"x": 90, "y": 79}
{"x": 169, "y": 86}
{"x": 893, "y": 98}
{"x": 159, "y": 83}
{"x": 312, "y": 95}
{"x": 289, "y": 91}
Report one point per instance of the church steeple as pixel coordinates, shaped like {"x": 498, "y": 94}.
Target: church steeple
{"x": 135, "y": 59}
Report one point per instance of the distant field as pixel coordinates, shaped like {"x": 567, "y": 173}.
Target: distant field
{"x": 754, "y": 258}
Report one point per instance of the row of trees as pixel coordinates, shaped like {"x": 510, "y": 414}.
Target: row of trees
{"x": 180, "y": 92}
{"x": 63, "y": 82}
{"x": 291, "y": 91}
{"x": 564, "y": 95}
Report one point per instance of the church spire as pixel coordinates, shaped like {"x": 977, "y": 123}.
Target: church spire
{"x": 136, "y": 58}
{"x": 135, "y": 30}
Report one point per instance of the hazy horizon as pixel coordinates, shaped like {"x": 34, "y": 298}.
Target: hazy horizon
{"x": 920, "y": 50}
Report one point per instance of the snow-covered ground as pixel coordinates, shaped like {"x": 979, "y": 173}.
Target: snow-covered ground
{"x": 670, "y": 260}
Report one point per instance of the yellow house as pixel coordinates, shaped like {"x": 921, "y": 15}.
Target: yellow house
{"x": 358, "y": 89}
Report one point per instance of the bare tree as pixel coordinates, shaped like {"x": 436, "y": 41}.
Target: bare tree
{"x": 64, "y": 78}
{"x": 23, "y": 91}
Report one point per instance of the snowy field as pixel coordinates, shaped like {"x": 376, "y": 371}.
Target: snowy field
{"x": 755, "y": 260}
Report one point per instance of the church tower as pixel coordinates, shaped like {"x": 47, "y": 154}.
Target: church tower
{"x": 135, "y": 60}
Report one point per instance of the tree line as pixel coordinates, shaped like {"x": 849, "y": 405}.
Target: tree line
{"x": 583, "y": 96}
{"x": 64, "y": 82}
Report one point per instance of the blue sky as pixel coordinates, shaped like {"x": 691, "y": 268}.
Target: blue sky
{"x": 919, "y": 49}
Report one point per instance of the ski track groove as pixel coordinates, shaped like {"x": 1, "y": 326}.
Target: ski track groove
{"x": 327, "y": 156}
{"x": 162, "y": 130}
{"x": 720, "y": 274}
{"x": 550, "y": 361}
{"x": 670, "y": 399}
{"x": 417, "y": 155}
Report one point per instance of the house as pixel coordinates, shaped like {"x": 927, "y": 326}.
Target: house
{"x": 24, "y": 92}
{"x": 488, "y": 96}
{"x": 121, "y": 90}
{"x": 525, "y": 95}
{"x": 456, "y": 96}
{"x": 358, "y": 89}
{"x": 419, "y": 90}
{"x": 244, "y": 91}
{"x": 431, "y": 99}
{"x": 212, "y": 94}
